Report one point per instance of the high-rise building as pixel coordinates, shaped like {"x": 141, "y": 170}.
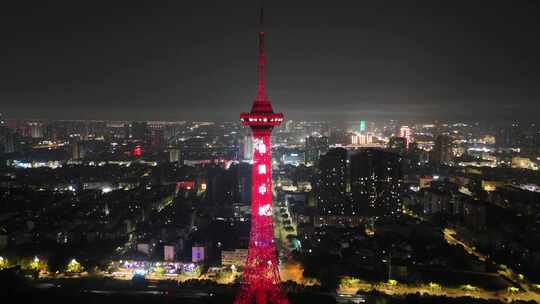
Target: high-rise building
{"x": 9, "y": 145}
{"x": 85, "y": 130}
{"x": 339, "y": 137}
{"x": 536, "y": 140}
{"x": 174, "y": 155}
{"x": 510, "y": 137}
{"x": 442, "y": 151}
{"x": 406, "y": 133}
{"x": 359, "y": 139}
{"x": 77, "y": 149}
{"x": 138, "y": 130}
{"x": 289, "y": 126}
{"x": 376, "y": 178}
{"x": 4, "y": 133}
{"x": 36, "y": 129}
{"x": 246, "y": 148}
{"x": 243, "y": 178}
{"x": 260, "y": 281}
{"x": 156, "y": 138}
{"x": 6, "y": 138}
{"x": 315, "y": 147}
{"x": 330, "y": 183}
{"x": 220, "y": 187}
{"x": 398, "y": 144}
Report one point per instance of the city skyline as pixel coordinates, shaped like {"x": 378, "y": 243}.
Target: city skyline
{"x": 391, "y": 153}
{"x": 378, "y": 61}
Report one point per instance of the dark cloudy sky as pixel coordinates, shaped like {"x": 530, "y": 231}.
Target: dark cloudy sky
{"x": 326, "y": 59}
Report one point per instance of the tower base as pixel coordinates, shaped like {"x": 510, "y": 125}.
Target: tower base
{"x": 248, "y": 296}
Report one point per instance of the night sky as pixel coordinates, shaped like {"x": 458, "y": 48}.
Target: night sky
{"x": 176, "y": 60}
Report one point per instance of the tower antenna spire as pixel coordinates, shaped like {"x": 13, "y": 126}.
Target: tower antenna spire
{"x": 261, "y": 16}
{"x": 261, "y": 86}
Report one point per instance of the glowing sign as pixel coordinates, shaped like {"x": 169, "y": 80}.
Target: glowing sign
{"x": 262, "y": 189}
{"x": 262, "y": 169}
{"x": 261, "y": 147}
{"x": 265, "y": 210}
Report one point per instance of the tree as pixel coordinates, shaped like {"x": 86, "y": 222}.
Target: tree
{"x": 74, "y": 267}
{"x": 328, "y": 276}
{"x": 139, "y": 281}
{"x": 160, "y": 270}
{"x": 3, "y": 263}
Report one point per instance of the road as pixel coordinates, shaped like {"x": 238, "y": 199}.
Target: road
{"x": 402, "y": 290}
{"x": 450, "y": 237}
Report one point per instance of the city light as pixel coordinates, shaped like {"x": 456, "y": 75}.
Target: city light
{"x": 434, "y": 286}
{"x": 408, "y": 169}
{"x": 513, "y": 289}
{"x": 35, "y": 264}
{"x": 468, "y": 287}
{"x": 106, "y": 190}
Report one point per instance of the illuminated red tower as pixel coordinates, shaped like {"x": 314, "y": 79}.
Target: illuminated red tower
{"x": 261, "y": 281}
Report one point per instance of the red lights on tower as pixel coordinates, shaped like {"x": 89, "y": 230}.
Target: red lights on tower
{"x": 261, "y": 282}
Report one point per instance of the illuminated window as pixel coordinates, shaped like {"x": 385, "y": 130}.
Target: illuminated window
{"x": 262, "y": 189}
{"x": 262, "y": 169}
{"x": 265, "y": 210}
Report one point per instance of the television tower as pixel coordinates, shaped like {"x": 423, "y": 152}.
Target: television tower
{"x": 261, "y": 283}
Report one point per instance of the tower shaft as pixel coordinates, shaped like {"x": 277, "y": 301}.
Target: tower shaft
{"x": 261, "y": 283}
{"x": 261, "y": 85}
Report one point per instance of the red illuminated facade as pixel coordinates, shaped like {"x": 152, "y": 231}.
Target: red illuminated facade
{"x": 261, "y": 281}
{"x": 406, "y": 133}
